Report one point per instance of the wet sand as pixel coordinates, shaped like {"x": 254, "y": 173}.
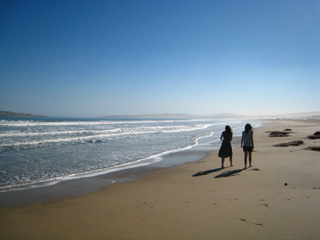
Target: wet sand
{"x": 278, "y": 198}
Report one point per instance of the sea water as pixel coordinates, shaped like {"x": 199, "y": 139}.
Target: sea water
{"x": 43, "y": 151}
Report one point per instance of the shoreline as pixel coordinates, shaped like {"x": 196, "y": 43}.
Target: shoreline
{"x": 278, "y": 198}
{"x": 90, "y": 184}
{"x": 152, "y": 159}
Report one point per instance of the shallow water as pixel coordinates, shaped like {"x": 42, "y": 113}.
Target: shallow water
{"x": 44, "y": 151}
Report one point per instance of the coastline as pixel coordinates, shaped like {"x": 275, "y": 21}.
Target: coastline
{"x": 71, "y": 158}
{"x": 196, "y": 200}
{"x": 89, "y": 184}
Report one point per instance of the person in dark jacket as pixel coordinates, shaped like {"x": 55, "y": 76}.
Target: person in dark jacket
{"x": 226, "y": 148}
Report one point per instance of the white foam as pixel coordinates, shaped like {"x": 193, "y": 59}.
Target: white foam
{"x": 113, "y": 136}
{"x": 52, "y": 133}
{"x": 95, "y": 134}
{"x": 26, "y": 123}
{"x": 137, "y": 163}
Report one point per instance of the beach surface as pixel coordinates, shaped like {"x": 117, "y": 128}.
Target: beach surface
{"x": 277, "y": 198}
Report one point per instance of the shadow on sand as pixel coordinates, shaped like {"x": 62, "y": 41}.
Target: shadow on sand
{"x": 202, "y": 173}
{"x": 229, "y": 173}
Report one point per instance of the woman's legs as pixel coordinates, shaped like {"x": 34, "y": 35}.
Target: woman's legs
{"x": 245, "y": 159}
{"x": 222, "y": 162}
{"x": 250, "y": 158}
{"x": 230, "y": 158}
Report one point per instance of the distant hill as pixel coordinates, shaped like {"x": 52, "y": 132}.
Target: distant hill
{"x": 305, "y": 115}
{"x": 13, "y": 114}
{"x": 152, "y": 116}
{"x": 171, "y": 116}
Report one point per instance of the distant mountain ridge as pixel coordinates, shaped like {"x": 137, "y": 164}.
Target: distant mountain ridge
{"x": 172, "y": 116}
{"x": 14, "y": 114}
{"x": 153, "y": 116}
{"x": 304, "y": 115}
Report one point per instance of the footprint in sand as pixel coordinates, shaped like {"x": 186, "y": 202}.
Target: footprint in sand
{"x": 244, "y": 220}
{"x": 266, "y": 205}
{"x": 232, "y": 198}
{"x": 145, "y": 203}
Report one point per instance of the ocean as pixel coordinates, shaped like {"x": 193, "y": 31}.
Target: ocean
{"x": 36, "y": 152}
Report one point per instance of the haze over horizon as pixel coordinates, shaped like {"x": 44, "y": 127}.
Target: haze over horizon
{"x": 101, "y": 58}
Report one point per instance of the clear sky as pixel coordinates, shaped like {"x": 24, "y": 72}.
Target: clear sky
{"x": 95, "y": 58}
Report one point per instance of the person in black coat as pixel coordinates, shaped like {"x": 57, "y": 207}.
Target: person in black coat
{"x": 226, "y": 148}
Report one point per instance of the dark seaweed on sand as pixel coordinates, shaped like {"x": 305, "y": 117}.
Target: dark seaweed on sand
{"x": 278, "y": 134}
{"x": 293, "y": 143}
{"x": 316, "y": 135}
{"x": 314, "y": 148}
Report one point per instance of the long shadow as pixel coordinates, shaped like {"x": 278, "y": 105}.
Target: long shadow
{"x": 202, "y": 173}
{"x": 229, "y": 173}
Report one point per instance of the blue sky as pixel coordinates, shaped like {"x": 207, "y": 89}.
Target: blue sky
{"x": 97, "y": 58}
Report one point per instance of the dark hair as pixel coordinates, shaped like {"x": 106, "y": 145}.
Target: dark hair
{"x": 247, "y": 128}
{"x": 228, "y": 129}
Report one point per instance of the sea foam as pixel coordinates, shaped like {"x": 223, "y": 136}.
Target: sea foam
{"x": 41, "y": 152}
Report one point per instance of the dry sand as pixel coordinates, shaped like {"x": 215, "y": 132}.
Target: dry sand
{"x": 278, "y": 198}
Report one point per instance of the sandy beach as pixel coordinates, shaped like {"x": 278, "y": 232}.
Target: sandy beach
{"x": 278, "y": 198}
